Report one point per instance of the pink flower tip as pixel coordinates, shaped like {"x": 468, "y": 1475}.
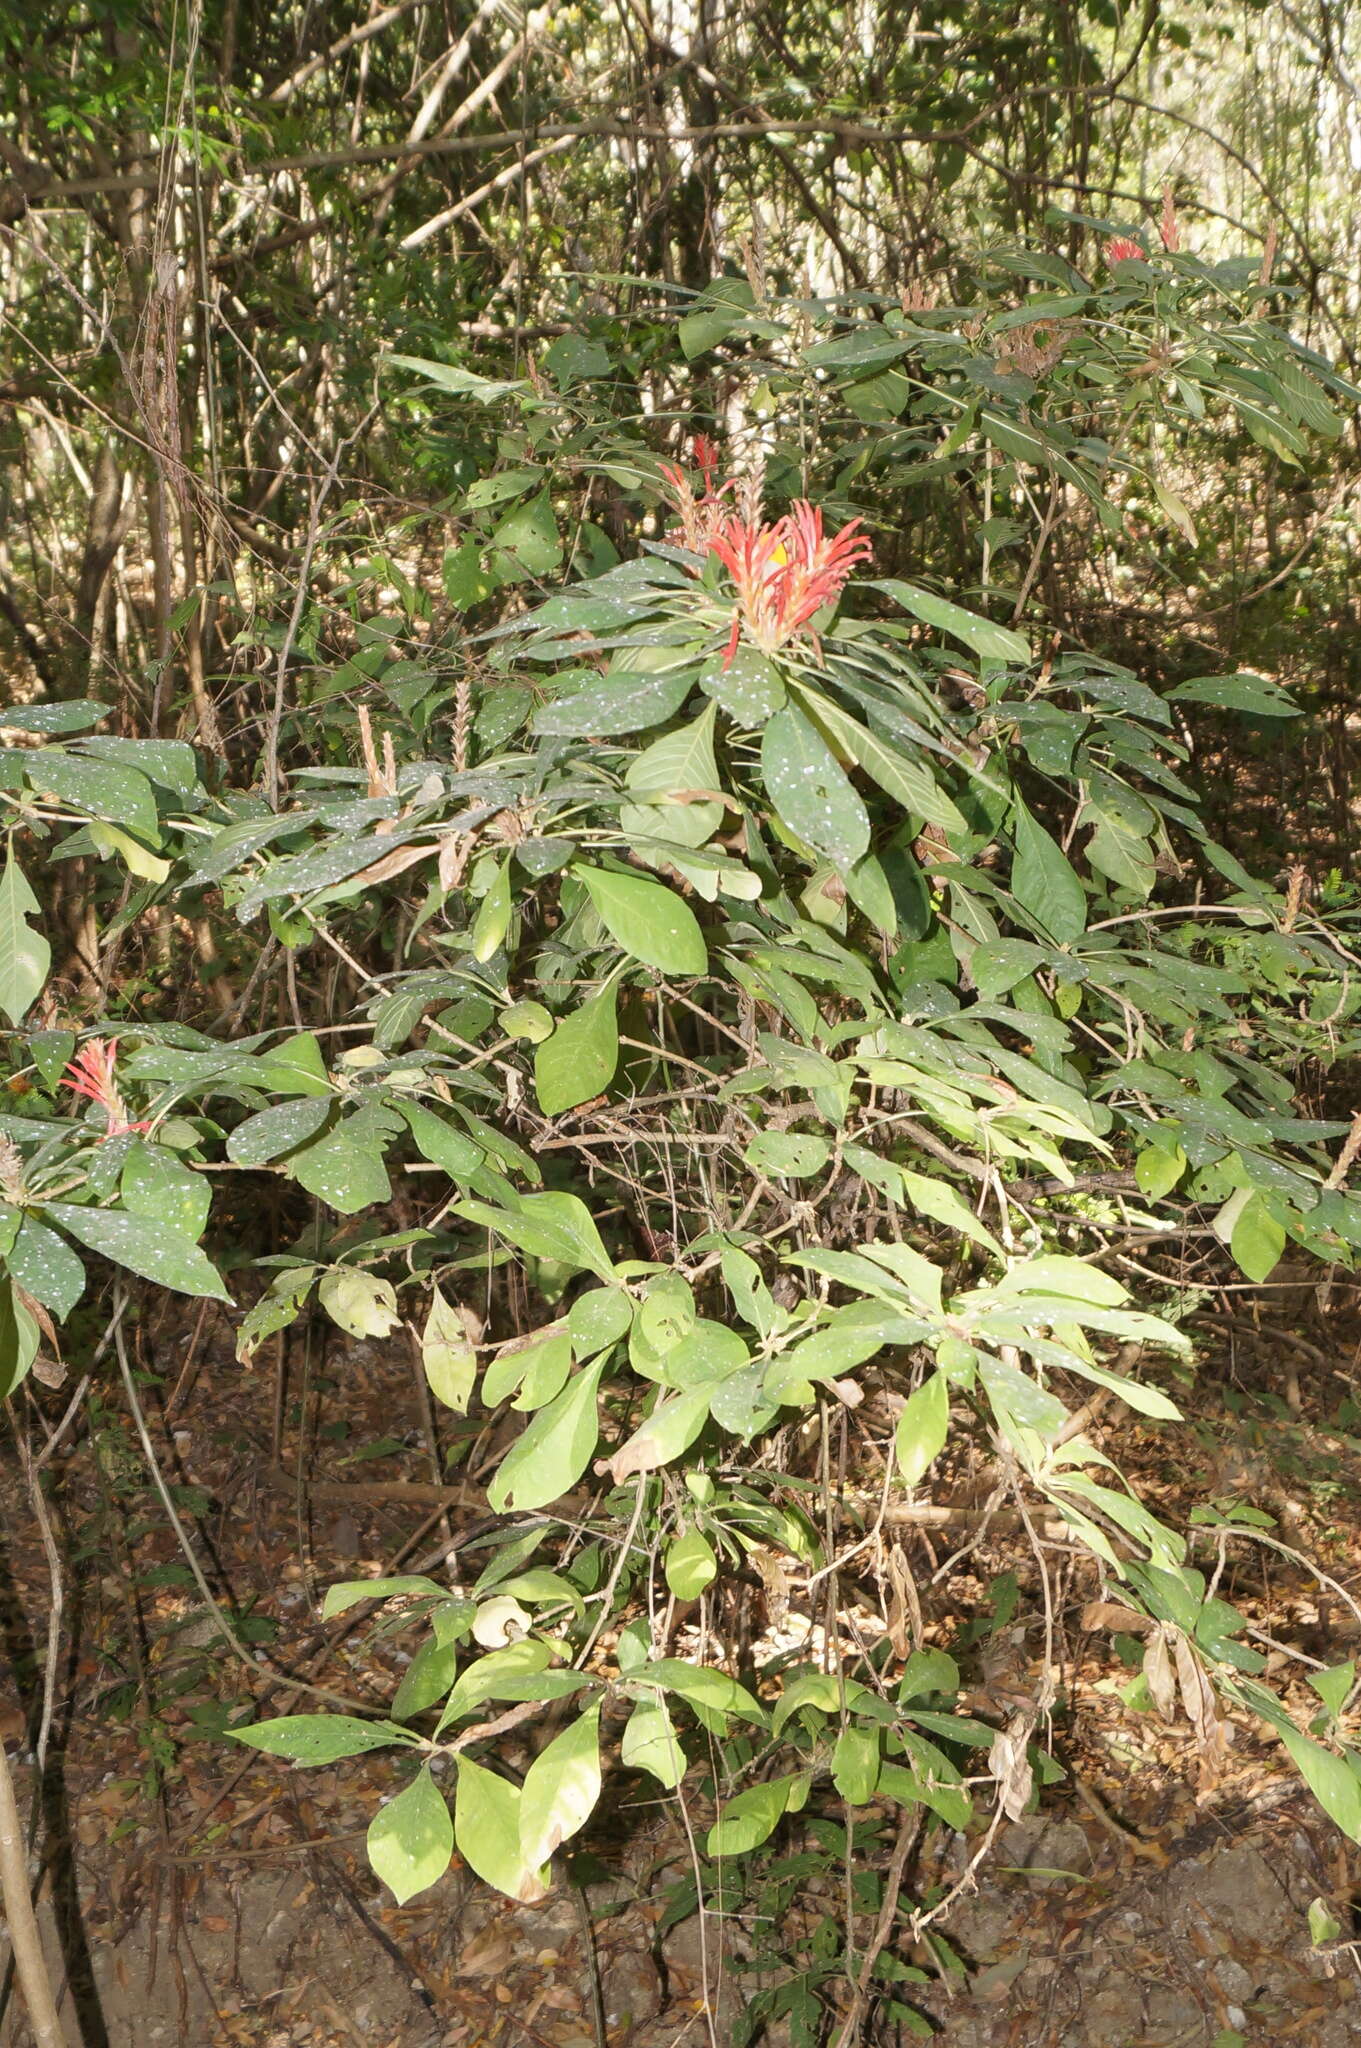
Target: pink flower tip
{"x": 92, "y": 1074}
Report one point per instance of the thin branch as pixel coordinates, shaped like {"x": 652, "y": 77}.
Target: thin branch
{"x": 342, "y": 44}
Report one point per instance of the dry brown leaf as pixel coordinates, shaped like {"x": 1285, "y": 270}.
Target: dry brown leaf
{"x": 1158, "y": 1675}
{"x": 396, "y": 862}
{"x": 1109, "y": 1614}
{"x": 488, "y": 1954}
{"x": 1009, "y": 1764}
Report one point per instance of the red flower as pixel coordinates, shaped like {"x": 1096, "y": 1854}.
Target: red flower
{"x": 1120, "y": 249}
{"x": 700, "y": 515}
{"x": 91, "y": 1073}
{"x": 785, "y": 573}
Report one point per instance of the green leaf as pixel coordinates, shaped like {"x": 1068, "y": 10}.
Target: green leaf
{"x": 855, "y": 1764}
{"x": 280, "y": 1128}
{"x": 753, "y": 1816}
{"x": 45, "y": 1267}
{"x": 598, "y": 1319}
{"x": 19, "y": 1340}
{"x": 295, "y": 1067}
{"x": 649, "y": 921}
{"x": 922, "y": 1428}
{"x": 938, "y": 1199}
{"x": 411, "y": 1839}
{"x": 426, "y": 1679}
{"x": 1334, "y": 1685}
{"x": 149, "y": 1249}
{"x": 529, "y": 535}
{"x": 1258, "y": 1240}
{"x": 720, "y": 307}
{"x": 1253, "y": 694}
{"x": 345, "y": 1169}
{"x": 792, "y": 1154}
{"x": 358, "y": 1302}
{"x": 487, "y": 1832}
{"x": 1158, "y": 1169}
{"x": 616, "y": 705}
{"x": 547, "y": 1461}
{"x": 702, "y": 1687}
{"x": 908, "y": 782}
{"x": 493, "y": 916}
{"x": 690, "y": 1566}
{"x": 670, "y": 1429}
{"x": 74, "y": 715}
{"x": 1057, "y": 1273}
{"x": 310, "y": 1739}
{"x": 573, "y": 359}
{"x": 680, "y": 764}
{"x": 439, "y": 1142}
{"x": 1331, "y": 1779}
{"x": 108, "y": 840}
{"x": 101, "y": 788}
{"x": 749, "y": 688}
{"x": 154, "y": 1183}
{"x": 1324, "y": 1925}
{"x": 649, "y": 1744}
{"x": 25, "y": 955}
{"x": 1043, "y": 882}
{"x": 810, "y": 790}
{"x": 172, "y": 763}
{"x": 1016, "y": 1397}
{"x": 547, "y": 1355}
{"x": 547, "y": 1226}
{"x": 349, "y": 1592}
{"x": 529, "y": 1021}
{"x": 447, "y": 1355}
{"x": 580, "y": 1059}
{"x": 994, "y": 643}
{"x": 461, "y": 383}
{"x": 561, "y": 1789}
{"x": 999, "y": 966}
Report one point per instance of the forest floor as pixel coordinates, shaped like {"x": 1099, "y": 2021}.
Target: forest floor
{"x": 209, "y": 1896}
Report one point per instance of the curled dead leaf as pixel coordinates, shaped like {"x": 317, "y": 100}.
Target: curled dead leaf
{"x": 1120, "y": 1620}
{"x": 1009, "y": 1764}
{"x": 1158, "y": 1677}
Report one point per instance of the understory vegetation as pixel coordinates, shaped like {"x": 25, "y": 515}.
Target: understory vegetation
{"x": 705, "y": 776}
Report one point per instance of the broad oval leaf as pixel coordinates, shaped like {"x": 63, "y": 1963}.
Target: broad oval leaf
{"x": 561, "y": 1789}
{"x": 411, "y": 1839}
{"x": 690, "y": 1566}
{"x": 648, "y": 920}
{"x": 649, "y": 1743}
{"x": 753, "y": 1816}
{"x": 578, "y": 1062}
{"x": 487, "y": 1832}
{"x": 554, "y": 1451}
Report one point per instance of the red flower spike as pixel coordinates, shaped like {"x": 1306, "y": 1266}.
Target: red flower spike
{"x": 91, "y": 1074}
{"x": 785, "y": 573}
{"x": 698, "y": 515}
{"x": 1120, "y": 249}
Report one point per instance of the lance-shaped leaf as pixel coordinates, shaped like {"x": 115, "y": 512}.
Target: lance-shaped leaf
{"x": 25, "y": 955}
